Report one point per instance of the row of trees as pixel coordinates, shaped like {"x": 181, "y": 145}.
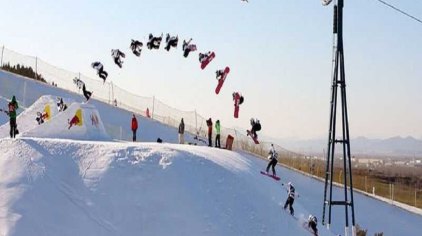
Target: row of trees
{"x": 24, "y": 71}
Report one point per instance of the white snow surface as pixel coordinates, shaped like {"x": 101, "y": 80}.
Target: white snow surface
{"x": 58, "y": 127}
{"x": 69, "y": 186}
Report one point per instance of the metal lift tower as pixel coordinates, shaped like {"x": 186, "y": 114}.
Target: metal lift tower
{"x": 338, "y": 81}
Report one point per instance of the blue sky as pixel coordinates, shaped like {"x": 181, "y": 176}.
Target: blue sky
{"x": 279, "y": 53}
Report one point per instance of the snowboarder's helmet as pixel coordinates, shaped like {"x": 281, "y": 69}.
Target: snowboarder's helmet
{"x": 289, "y": 183}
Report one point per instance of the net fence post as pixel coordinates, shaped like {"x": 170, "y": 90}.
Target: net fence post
{"x": 36, "y": 67}
{"x": 196, "y": 121}
{"x": 153, "y": 106}
{"x": 2, "y": 52}
{"x": 24, "y": 94}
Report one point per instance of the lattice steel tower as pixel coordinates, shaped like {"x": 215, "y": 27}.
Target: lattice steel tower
{"x": 339, "y": 81}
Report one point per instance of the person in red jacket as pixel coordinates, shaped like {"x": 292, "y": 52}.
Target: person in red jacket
{"x": 134, "y": 127}
{"x": 209, "y": 124}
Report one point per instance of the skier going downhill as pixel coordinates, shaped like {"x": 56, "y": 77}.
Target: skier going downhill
{"x": 273, "y": 155}
{"x": 171, "y": 41}
{"x": 136, "y": 47}
{"x": 312, "y": 224}
{"x": 117, "y": 55}
{"x": 188, "y": 47}
{"x": 100, "y": 71}
{"x": 290, "y": 198}
{"x": 154, "y": 42}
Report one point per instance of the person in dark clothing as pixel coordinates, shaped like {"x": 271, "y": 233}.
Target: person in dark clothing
{"x": 290, "y": 198}
{"x": 171, "y": 41}
{"x": 209, "y": 124}
{"x": 136, "y": 47}
{"x": 273, "y": 159}
{"x": 182, "y": 132}
{"x": 154, "y": 42}
{"x": 116, "y": 54}
{"x": 312, "y": 224}
{"x": 13, "y": 106}
{"x": 134, "y": 127}
{"x": 256, "y": 126}
{"x": 100, "y": 71}
{"x": 87, "y": 93}
{"x": 188, "y": 47}
{"x": 204, "y": 56}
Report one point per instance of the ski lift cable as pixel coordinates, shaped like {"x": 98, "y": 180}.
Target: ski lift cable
{"x": 400, "y": 11}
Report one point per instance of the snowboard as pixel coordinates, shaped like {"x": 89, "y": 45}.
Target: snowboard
{"x": 254, "y": 139}
{"x": 207, "y": 60}
{"x": 222, "y": 79}
{"x": 236, "y": 111}
{"x": 236, "y": 106}
{"x": 270, "y": 175}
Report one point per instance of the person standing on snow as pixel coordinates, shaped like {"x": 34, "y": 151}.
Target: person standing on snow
{"x": 273, "y": 159}
{"x": 209, "y": 124}
{"x": 134, "y": 127}
{"x": 13, "y": 106}
{"x": 290, "y": 198}
{"x": 217, "y": 136}
{"x": 182, "y": 132}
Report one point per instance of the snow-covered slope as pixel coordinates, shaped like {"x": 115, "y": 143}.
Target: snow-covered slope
{"x": 68, "y": 187}
{"x": 65, "y": 187}
{"x": 90, "y": 126}
{"x": 26, "y": 119}
{"x": 117, "y": 121}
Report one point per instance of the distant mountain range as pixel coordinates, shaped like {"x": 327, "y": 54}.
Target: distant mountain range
{"x": 395, "y": 146}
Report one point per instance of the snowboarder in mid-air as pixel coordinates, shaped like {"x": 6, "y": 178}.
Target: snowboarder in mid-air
{"x": 219, "y": 74}
{"x": 188, "y": 47}
{"x": 312, "y": 224}
{"x": 171, "y": 41}
{"x": 87, "y": 93}
{"x": 255, "y": 126}
{"x": 136, "y": 47}
{"x": 203, "y": 56}
{"x": 238, "y": 99}
{"x": 100, "y": 72}
{"x": 154, "y": 42}
{"x": 117, "y": 55}
{"x": 78, "y": 83}
{"x": 273, "y": 155}
{"x": 290, "y": 198}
